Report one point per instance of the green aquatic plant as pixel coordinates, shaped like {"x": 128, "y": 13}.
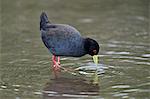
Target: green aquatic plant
{"x": 95, "y": 59}
{"x": 80, "y": 71}
{"x": 96, "y": 78}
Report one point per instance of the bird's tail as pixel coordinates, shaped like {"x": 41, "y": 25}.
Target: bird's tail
{"x": 43, "y": 21}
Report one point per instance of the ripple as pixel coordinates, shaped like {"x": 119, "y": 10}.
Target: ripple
{"x": 145, "y": 84}
{"x": 4, "y": 87}
{"x": 52, "y": 95}
{"x": 128, "y": 43}
{"x": 18, "y": 60}
{"x": 16, "y": 89}
{"x": 50, "y": 92}
{"x": 146, "y": 55}
{"x": 121, "y": 86}
{"x": 130, "y": 57}
{"x": 67, "y": 64}
{"x": 43, "y": 62}
{"x": 119, "y": 53}
{"x": 16, "y": 85}
{"x": 131, "y": 90}
{"x": 73, "y": 96}
{"x": 135, "y": 62}
{"x": 124, "y": 46}
{"x": 37, "y": 93}
{"x": 89, "y": 93}
{"x": 92, "y": 67}
{"x": 86, "y": 20}
{"x": 27, "y": 40}
{"x": 120, "y": 94}
{"x": 78, "y": 95}
{"x": 140, "y": 18}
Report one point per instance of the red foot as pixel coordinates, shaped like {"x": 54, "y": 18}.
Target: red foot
{"x": 56, "y": 65}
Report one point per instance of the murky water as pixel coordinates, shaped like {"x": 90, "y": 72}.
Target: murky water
{"x": 120, "y": 27}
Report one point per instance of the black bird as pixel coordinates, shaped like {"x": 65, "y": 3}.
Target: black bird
{"x": 65, "y": 40}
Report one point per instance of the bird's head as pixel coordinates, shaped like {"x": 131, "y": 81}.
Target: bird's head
{"x": 91, "y": 46}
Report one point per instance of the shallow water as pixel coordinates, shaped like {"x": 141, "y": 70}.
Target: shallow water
{"x": 120, "y": 27}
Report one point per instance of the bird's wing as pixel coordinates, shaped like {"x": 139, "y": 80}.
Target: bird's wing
{"x": 60, "y": 38}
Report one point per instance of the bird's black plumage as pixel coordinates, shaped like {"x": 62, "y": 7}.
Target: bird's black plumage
{"x": 65, "y": 40}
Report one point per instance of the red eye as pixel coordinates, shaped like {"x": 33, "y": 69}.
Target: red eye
{"x": 94, "y": 51}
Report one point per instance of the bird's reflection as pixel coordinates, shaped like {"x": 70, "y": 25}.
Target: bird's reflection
{"x": 73, "y": 87}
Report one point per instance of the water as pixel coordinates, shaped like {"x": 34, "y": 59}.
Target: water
{"x": 120, "y": 27}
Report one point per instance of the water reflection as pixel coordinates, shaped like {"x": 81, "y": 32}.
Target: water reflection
{"x": 70, "y": 88}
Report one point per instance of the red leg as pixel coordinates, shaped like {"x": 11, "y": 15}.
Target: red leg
{"x": 58, "y": 59}
{"x": 54, "y": 59}
{"x": 56, "y": 66}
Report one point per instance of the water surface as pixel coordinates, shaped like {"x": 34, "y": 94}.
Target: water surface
{"x": 120, "y": 27}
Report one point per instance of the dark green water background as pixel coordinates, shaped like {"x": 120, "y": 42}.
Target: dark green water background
{"x": 120, "y": 26}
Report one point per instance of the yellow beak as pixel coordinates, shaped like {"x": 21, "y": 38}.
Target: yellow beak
{"x": 95, "y": 59}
